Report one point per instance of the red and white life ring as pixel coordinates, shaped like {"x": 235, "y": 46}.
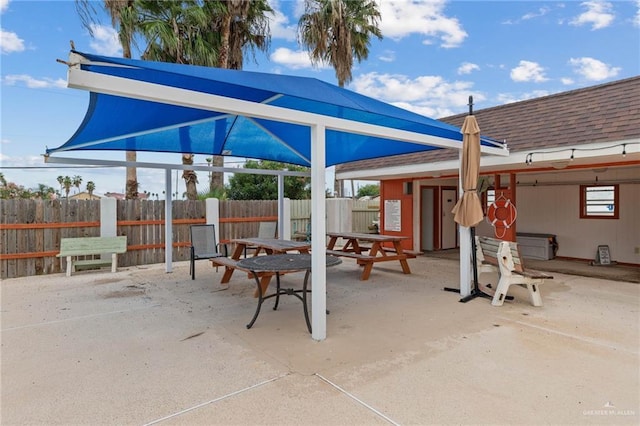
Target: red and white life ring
{"x": 501, "y": 214}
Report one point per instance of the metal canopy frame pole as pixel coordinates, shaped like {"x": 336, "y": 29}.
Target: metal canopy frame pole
{"x": 318, "y": 234}
{"x": 168, "y": 224}
{"x": 280, "y": 206}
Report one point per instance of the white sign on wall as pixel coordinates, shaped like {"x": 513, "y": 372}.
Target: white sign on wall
{"x": 392, "y": 215}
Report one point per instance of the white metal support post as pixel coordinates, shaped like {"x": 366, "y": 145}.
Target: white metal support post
{"x": 168, "y": 225}
{"x": 280, "y": 206}
{"x": 318, "y": 235}
{"x": 465, "y": 245}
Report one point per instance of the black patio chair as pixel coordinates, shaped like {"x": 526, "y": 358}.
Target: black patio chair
{"x": 203, "y": 246}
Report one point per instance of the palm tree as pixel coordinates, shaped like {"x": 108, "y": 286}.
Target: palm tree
{"x": 175, "y": 32}
{"x": 236, "y": 11}
{"x": 61, "y": 182}
{"x": 44, "y": 191}
{"x": 90, "y": 188}
{"x": 241, "y": 25}
{"x": 209, "y": 33}
{"x": 336, "y": 31}
{"x": 76, "y": 181}
{"x": 249, "y": 32}
{"x": 124, "y": 18}
{"x": 191, "y": 32}
{"x": 67, "y": 183}
{"x": 221, "y": 24}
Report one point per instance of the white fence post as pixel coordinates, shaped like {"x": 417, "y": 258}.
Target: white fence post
{"x": 339, "y": 214}
{"x": 285, "y": 231}
{"x": 212, "y": 214}
{"x": 108, "y": 221}
{"x": 108, "y": 217}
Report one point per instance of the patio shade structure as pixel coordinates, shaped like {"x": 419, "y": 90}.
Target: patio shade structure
{"x": 161, "y": 107}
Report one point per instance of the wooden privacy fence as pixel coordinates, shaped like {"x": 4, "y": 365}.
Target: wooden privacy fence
{"x": 363, "y": 214}
{"x": 30, "y": 230}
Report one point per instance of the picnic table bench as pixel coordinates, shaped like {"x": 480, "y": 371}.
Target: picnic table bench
{"x": 73, "y": 248}
{"x": 506, "y": 256}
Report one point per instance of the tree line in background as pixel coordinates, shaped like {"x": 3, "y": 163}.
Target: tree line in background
{"x": 242, "y": 186}
{"x": 218, "y": 33}
{"x": 43, "y": 191}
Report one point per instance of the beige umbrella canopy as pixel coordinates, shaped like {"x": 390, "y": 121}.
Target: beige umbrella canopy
{"x": 468, "y": 210}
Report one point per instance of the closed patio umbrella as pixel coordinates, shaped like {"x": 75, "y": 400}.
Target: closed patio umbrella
{"x": 468, "y": 210}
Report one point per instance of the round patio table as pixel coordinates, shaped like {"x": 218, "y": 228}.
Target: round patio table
{"x": 283, "y": 263}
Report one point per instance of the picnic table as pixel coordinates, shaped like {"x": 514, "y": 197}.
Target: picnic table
{"x": 378, "y": 252}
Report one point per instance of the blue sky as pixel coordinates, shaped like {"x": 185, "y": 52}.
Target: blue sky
{"x": 433, "y": 56}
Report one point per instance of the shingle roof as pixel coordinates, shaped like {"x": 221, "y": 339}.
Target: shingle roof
{"x": 605, "y": 113}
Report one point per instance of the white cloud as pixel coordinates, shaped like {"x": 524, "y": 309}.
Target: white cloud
{"x": 567, "y": 81}
{"x": 105, "y": 41}
{"x": 592, "y": 69}
{"x": 403, "y": 17}
{"x": 387, "y": 56}
{"x": 298, "y": 8}
{"x": 598, "y": 15}
{"x": 33, "y": 83}
{"x": 4, "y": 4}
{"x": 10, "y": 42}
{"x": 297, "y": 59}
{"x": 467, "y": 68}
{"x": 532, "y": 15}
{"x": 431, "y": 96}
{"x": 527, "y": 16}
{"x": 528, "y": 71}
{"x": 636, "y": 19}
{"x": 279, "y": 24}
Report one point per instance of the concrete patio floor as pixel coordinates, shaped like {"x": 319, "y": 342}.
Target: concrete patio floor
{"x": 145, "y": 347}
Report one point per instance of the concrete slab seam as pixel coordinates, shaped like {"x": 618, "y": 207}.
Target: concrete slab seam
{"x": 359, "y": 401}
{"x": 571, "y": 336}
{"x": 80, "y": 318}
{"x": 229, "y": 395}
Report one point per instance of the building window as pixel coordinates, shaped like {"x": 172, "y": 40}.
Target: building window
{"x": 599, "y": 202}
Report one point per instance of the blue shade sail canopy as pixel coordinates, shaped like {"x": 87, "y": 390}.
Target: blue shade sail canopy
{"x": 152, "y": 117}
{"x": 160, "y": 107}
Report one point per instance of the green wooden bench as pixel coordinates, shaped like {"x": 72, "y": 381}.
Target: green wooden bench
{"x": 72, "y": 248}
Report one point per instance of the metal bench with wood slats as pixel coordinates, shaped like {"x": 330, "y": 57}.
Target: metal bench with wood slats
{"x": 506, "y": 256}
{"x": 73, "y": 248}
